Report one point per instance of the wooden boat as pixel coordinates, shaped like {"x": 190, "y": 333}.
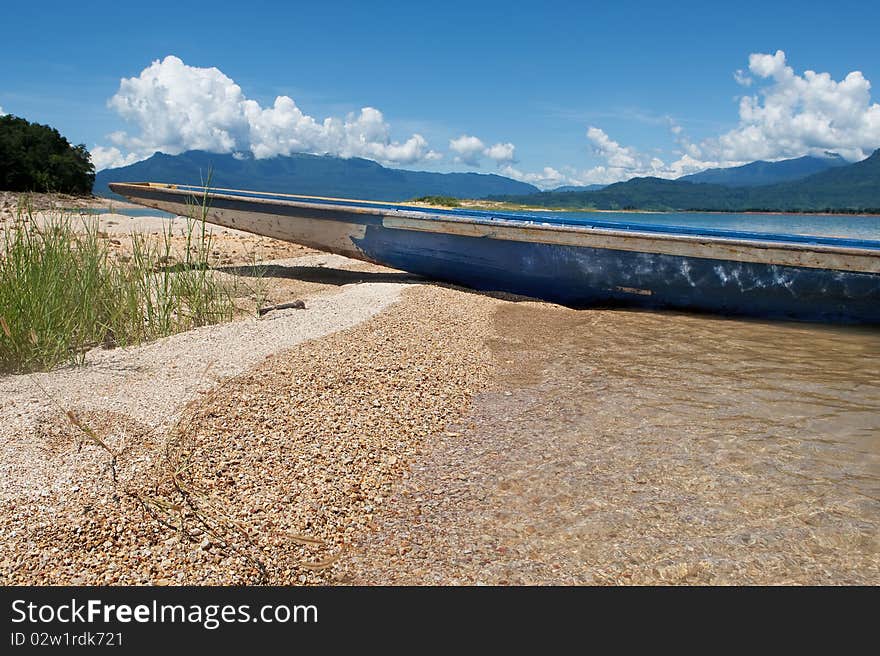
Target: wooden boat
{"x": 573, "y": 263}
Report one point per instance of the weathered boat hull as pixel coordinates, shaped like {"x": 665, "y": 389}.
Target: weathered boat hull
{"x": 582, "y": 276}
{"x": 780, "y": 276}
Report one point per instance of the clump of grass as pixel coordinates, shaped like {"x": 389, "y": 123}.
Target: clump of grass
{"x": 445, "y": 201}
{"x": 61, "y": 291}
{"x": 257, "y": 287}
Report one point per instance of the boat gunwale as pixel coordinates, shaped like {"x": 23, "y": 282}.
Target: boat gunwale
{"x": 390, "y": 210}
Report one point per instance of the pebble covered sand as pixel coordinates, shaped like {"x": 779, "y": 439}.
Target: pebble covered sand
{"x": 267, "y": 478}
{"x": 397, "y": 432}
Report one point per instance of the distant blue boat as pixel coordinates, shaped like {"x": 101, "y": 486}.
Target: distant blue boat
{"x": 575, "y": 264}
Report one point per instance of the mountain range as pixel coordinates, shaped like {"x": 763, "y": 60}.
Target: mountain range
{"x": 802, "y": 184}
{"x": 311, "y": 175}
{"x": 839, "y": 188}
{"x": 764, "y": 173}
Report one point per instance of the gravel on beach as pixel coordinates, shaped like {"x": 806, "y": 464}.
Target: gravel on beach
{"x": 265, "y": 479}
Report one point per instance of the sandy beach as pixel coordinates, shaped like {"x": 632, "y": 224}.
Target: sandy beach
{"x": 401, "y": 432}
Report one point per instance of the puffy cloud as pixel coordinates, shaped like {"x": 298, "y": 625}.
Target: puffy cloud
{"x": 283, "y": 129}
{"x": 787, "y": 115}
{"x": 625, "y": 162}
{"x": 111, "y": 157}
{"x": 742, "y": 78}
{"x": 2, "y": 112}
{"x": 767, "y": 65}
{"x": 469, "y": 150}
{"x": 794, "y": 115}
{"x": 790, "y": 115}
{"x": 619, "y": 163}
{"x": 501, "y": 152}
{"x": 616, "y": 155}
{"x": 547, "y": 178}
{"x": 177, "y": 107}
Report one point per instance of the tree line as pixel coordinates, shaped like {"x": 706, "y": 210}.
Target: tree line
{"x": 35, "y": 157}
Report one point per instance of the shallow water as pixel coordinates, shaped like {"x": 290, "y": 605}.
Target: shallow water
{"x": 127, "y": 211}
{"x": 715, "y": 449}
{"x": 647, "y": 447}
{"x": 811, "y": 391}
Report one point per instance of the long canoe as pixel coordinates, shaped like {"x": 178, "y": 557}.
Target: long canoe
{"x": 573, "y": 263}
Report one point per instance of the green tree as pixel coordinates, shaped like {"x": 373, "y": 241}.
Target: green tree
{"x": 36, "y": 157}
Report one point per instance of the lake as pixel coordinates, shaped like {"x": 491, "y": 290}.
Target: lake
{"x": 822, "y": 225}
{"x": 747, "y": 448}
{"x": 125, "y": 211}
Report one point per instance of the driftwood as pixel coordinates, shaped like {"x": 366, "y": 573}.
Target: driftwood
{"x": 293, "y": 305}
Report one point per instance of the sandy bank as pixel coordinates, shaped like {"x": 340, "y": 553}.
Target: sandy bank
{"x": 152, "y": 382}
{"x": 276, "y": 469}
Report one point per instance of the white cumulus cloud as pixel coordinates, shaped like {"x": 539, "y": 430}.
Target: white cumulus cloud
{"x": 625, "y": 162}
{"x": 546, "y": 178}
{"x": 793, "y": 115}
{"x": 617, "y": 156}
{"x": 470, "y": 150}
{"x": 177, "y": 107}
{"x": 174, "y": 107}
{"x": 501, "y": 152}
{"x": 110, "y": 157}
{"x": 619, "y": 163}
{"x": 788, "y": 115}
{"x": 742, "y": 78}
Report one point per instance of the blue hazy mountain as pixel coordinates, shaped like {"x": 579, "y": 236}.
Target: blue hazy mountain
{"x": 847, "y": 188}
{"x": 312, "y": 175}
{"x": 764, "y": 173}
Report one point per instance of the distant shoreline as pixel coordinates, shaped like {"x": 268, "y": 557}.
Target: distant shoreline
{"x": 472, "y": 204}
{"x": 64, "y": 201}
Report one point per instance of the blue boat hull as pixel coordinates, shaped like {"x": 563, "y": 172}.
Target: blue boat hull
{"x": 583, "y": 277}
{"x": 737, "y": 273}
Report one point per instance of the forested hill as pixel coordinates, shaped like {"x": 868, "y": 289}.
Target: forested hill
{"x": 765, "y": 173}
{"x": 312, "y": 175}
{"x": 850, "y": 188}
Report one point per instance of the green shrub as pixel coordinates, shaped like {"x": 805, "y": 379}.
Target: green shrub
{"x": 446, "y": 201}
{"x": 36, "y": 157}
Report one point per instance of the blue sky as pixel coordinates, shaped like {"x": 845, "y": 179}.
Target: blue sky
{"x": 655, "y": 82}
